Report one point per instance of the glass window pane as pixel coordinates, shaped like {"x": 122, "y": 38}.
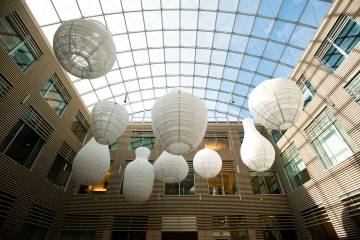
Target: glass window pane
{"x": 9, "y": 39}
{"x": 22, "y": 56}
{"x": 60, "y": 171}
{"x": 349, "y": 36}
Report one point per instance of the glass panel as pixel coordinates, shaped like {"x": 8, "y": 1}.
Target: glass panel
{"x": 141, "y": 139}
{"x": 97, "y": 188}
{"x": 60, "y": 171}
{"x": 297, "y": 172}
{"x": 277, "y": 134}
{"x": 265, "y": 182}
{"x": 22, "y": 56}
{"x": 349, "y": 36}
{"x": 78, "y": 129}
{"x": 333, "y": 58}
{"x": 78, "y": 235}
{"x": 216, "y": 143}
{"x": 53, "y": 97}
{"x": 308, "y": 93}
{"x": 9, "y": 39}
{"x": 225, "y": 183}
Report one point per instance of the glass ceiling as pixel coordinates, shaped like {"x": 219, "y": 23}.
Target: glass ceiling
{"x": 217, "y": 49}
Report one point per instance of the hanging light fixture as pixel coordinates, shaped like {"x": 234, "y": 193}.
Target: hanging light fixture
{"x": 207, "y": 163}
{"x": 91, "y": 163}
{"x": 139, "y": 177}
{"x": 257, "y": 153}
{"x": 108, "y": 121}
{"x": 84, "y": 48}
{"x": 170, "y": 168}
{"x": 276, "y": 103}
{"x": 179, "y": 121}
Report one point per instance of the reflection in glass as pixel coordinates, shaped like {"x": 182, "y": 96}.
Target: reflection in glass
{"x": 60, "y": 171}
{"x": 225, "y": 183}
{"x": 308, "y": 93}
{"x": 50, "y": 91}
{"x": 265, "y": 182}
{"x": 97, "y": 188}
{"x": 216, "y": 143}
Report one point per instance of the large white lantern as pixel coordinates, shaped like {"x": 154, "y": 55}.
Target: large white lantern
{"x": 84, "y": 48}
{"x": 207, "y": 163}
{"x": 139, "y": 177}
{"x": 170, "y": 168}
{"x": 257, "y": 153}
{"x": 108, "y": 121}
{"x": 276, "y": 103}
{"x": 179, "y": 121}
{"x": 91, "y": 163}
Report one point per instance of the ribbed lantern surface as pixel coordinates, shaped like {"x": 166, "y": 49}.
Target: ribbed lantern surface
{"x": 207, "y": 163}
{"x": 108, "y": 121}
{"x": 276, "y": 103}
{"x": 91, "y": 163}
{"x": 139, "y": 177}
{"x": 257, "y": 153}
{"x": 84, "y": 48}
{"x": 170, "y": 168}
{"x": 179, "y": 121}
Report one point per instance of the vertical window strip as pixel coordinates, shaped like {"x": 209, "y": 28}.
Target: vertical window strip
{"x": 37, "y": 123}
{"x": 324, "y": 120}
{"x": 67, "y": 152}
{"x": 353, "y": 88}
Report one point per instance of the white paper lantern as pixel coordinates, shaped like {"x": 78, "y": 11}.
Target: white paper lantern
{"x": 276, "y": 103}
{"x": 207, "y": 163}
{"x": 257, "y": 153}
{"x": 108, "y": 121}
{"x": 139, "y": 177}
{"x": 91, "y": 164}
{"x": 170, "y": 168}
{"x": 84, "y": 48}
{"x": 179, "y": 121}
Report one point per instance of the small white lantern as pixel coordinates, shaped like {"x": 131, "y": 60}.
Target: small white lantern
{"x": 91, "y": 164}
{"x": 84, "y": 48}
{"x": 170, "y": 168}
{"x": 257, "y": 153}
{"x": 139, "y": 177}
{"x": 207, "y": 163}
{"x": 179, "y": 121}
{"x": 276, "y": 103}
{"x": 108, "y": 121}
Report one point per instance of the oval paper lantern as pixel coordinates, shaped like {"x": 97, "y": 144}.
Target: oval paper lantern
{"x": 92, "y": 163}
{"x": 276, "y": 103}
{"x": 139, "y": 177}
{"x": 84, "y": 48}
{"x": 257, "y": 153}
{"x": 108, "y": 121}
{"x": 170, "y": 168}
{"x": 179, "y": 121}
{"x": 207, "y": 163}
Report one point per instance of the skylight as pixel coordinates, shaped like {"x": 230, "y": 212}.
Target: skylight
{"x": 217, "y": 49}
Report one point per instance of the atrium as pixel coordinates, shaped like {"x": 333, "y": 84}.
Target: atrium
{"x": 179, "y": 119}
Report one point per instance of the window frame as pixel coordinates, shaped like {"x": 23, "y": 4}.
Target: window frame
{"x": 67, "y": 178}
{"x": 77, "y": 119}
{"x": 307, "y": 87}
{"x": 59, "y": 92}
{"x": 237, "y": 192}
{"x": 262, "y": 175}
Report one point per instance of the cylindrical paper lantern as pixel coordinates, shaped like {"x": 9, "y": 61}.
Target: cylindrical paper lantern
{"x": 84, "y": 48}
{"x": 91, "y": 163}
{"x": 170, "y": 168}
{"x": 257, "y": 153}
{"x": 276, "y": 103}
{"x": 108, "y": 121}
{"x": 179, "y": 121}
{"x": 207, "y": 163}
{"x": 139, "y": 177}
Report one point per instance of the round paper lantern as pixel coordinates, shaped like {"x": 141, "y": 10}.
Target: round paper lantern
{"x": 276, "y": 103}
{"x": 170, "y": 168}
{"x": 179, "y": 121}
{"x": 207, "y": 163}
{"x": 257, "y": 153}
{"x": 91, "y": 163}
{"x": 84, "y": 48}
{"x": 108, "y": 121}
{"x": 139, "y": 177}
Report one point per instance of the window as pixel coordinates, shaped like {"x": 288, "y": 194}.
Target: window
{"x": 97, "y": 188}
{"x": 265, "y": 182}
{"x": 353, "y": 88}
{"x": 340, "y": 46}
{"x": 55, "y": 95}
{"x": 60, "y": 171}
{"x": 16, "y": 47}
{"x": 329, "y": 139}
{"x": 22, "y": 144}
{"x": 5, "y": 86}
{"x": 141, "y": 139}
{"x": 277, "y": 134}
{"x": 216, "y": 142}
{"x": 308, "y": 92}
{"x": 114, "y": 145}
{"x": 32, "y": 232}
{"x": 225, "y": 183}
{"x": 294, "y": 166}
{"x": 185, "y": 187}
{"x": 80, "y": 127}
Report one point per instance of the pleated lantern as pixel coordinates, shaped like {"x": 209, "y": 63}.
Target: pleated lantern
{"x": 207, "y": 163}
{"x": 179, "y": 121}
{"x": 84, "y": 48}
{"x": 257, "y": 153}
{"x": 139, "y": 177}
{"x": 170, "y": 168}
{"x": 276, "y": 103}
{"x": 91, "y": 163}
{"x": 108, "y": 121}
